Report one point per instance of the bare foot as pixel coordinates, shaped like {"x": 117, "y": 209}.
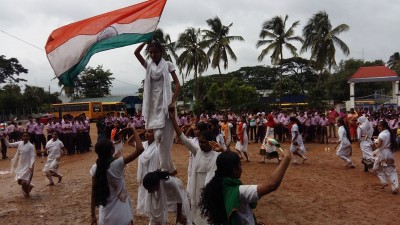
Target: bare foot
{"x": 304, "y": 160}
{"x": 383, "y": 186}
{"x": 51, "y": 184}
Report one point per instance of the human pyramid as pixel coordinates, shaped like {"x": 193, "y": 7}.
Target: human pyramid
{"x": 214, "y": 192}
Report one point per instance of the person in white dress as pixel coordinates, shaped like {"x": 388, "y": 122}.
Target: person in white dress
{"x": 297, "y": 146}
{"x": 243, "y": 140}
{"x": 203, "y": 165}
{"x": 157, "y": 97}
{"x": 385, "y": 165}
{"x": 55, "y": 148}
{"x": 225, "y": 200}
{"x": 344, "y": 149}
{"x": 365, "y": 132}
{"x": 108, "y": 184}
{"x": 148, "y": 161}
{"x": 23, "y": 160}
{"x": 165, "y": 194}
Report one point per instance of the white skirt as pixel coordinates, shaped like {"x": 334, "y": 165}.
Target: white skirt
{"x": 51, "y": 165}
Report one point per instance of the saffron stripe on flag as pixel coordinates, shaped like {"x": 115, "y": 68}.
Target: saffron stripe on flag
{"x": 69, "y": 48}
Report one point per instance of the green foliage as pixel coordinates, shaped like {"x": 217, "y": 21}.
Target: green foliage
{"x": 394, "y": 62}
{"x": 320, "y": 38}
{"x": 218, "y": 41}
{"x": 12, "y": 99}
{"x": 232, "y": 94}
{"x": 299, "y": 71}
{"x": 10, "y": 68}
{"x": 260, "y": 77}
{"x": 94, "y": 82}
{"x": 275, "y": 29}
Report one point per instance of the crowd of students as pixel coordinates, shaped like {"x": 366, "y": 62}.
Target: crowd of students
{"x": 214, "y": 193}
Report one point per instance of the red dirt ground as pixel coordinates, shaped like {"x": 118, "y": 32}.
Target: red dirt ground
{"x": 321, "y": 191}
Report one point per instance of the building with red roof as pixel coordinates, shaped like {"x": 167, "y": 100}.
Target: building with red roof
{"x": 374, "y": 74}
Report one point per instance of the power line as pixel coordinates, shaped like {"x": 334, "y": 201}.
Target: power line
{"x": 22, "y": 40}
{"x": 44, "y": 50}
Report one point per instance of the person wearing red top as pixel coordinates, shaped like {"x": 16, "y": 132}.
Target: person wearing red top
{"x": 332, "y": 115}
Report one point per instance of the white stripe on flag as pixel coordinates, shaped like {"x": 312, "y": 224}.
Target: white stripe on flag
{"x": 75, "y": 48}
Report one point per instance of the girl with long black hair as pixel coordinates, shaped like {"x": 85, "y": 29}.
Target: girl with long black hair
{"x": 225, "y": 200}
{"x": 108, "y": 184}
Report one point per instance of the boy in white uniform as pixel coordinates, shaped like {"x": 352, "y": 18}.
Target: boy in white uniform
{"x": 54, "y": 148}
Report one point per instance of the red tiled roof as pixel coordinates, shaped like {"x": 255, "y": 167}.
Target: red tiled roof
{"x": 373, "y": 71}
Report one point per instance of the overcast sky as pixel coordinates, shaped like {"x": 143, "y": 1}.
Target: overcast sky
{"x": 374, "y": 30}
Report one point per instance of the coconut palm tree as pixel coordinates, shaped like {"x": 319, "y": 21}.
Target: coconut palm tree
{"x": 218, "y": 43}
{"x": 193, "y": 58}
{"x": 275, "y": 29}
{"x": 169, "y": 46}
{"x": 394, "y": 62}
{"x": 321, "y": 39}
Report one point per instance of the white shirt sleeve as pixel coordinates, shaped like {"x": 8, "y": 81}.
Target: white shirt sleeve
{"x": 188, "y": 144}
{"x": 248, "y": 193}
{"x": 171, "y": 67}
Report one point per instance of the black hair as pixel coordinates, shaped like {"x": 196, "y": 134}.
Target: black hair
{"x": 341, "y": 121}
{"x": 208, "y": 135}
{"x": 202, "y": 126}
{"x": 155, "y": 43}
{"x": 214, "y": 122}
{"x": 294, "y": 119}
{"x": 101, "y": 190}
{"x": 212, "y": 199}
{"x": 152, "y": 179}
{"x": 393, "y": 143}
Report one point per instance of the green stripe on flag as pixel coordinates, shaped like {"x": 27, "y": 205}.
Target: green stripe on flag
{"x": 68, "y": 77}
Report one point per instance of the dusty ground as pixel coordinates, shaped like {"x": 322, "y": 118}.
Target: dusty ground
{"x": 321, "y": 191}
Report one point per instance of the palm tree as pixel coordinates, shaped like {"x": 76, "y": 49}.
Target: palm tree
{"x": 217, "y": 41}
{"x": 394, "y": 62}
{"x": 193, "y": 58}
{"x": 280, "y": 37}
{"x": 321, "y": 39}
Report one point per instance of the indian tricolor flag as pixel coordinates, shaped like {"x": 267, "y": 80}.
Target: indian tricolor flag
{"x": 70, "y": 47}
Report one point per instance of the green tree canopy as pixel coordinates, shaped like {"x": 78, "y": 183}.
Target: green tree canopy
{"x": 394, "y": 62}
{"x": 10, "y": 68}
{"x": 94, "y": 82}
{"x": 279, "y": 37}
{"x": 238, "y": 94}
{"x": 218, "y": 41}
{"x": 321, "y": 39}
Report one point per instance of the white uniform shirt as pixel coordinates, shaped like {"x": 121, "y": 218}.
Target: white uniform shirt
{"x": 54, "y": 149}
{"x": 118, "y": 209}
{"x": 248, "y": 194}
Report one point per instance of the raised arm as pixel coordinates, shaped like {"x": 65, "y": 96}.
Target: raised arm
{"x": 138, "y": 150}
{"x": 275, "y": 180}
{"x": 139, "y": 56}
{"x": 177, "y": 86}
{"x": 171, "y": 112}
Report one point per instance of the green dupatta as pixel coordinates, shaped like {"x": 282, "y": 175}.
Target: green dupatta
{"x": 230, "y": 187}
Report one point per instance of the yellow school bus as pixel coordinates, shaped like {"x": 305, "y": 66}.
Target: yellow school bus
{"x": 93, "y": 110}
{"x": 114, "y": 107}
